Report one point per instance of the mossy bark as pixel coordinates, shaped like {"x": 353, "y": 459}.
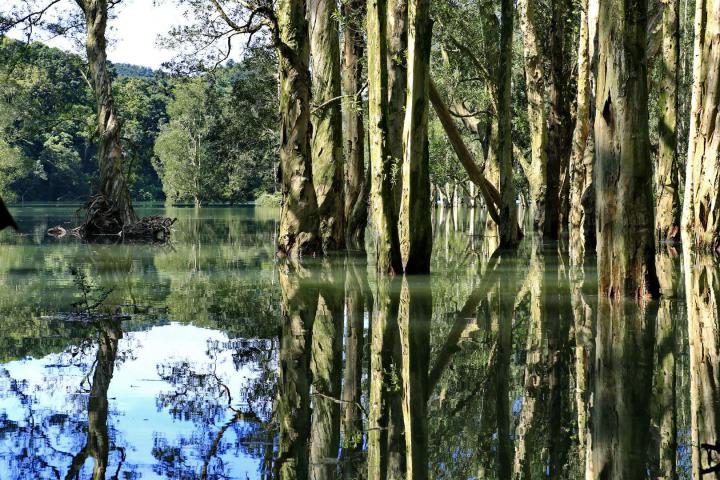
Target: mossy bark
{"x": 299, "y": 219}
{"x": 326, "y": 144}
{"x": 414, "y": 223}
{"x": 397, "y": 67}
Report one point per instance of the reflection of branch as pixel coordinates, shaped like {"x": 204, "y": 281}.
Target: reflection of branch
{"x": 341, "y": 402}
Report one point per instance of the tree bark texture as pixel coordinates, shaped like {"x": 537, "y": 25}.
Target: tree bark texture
{"x": 326, "y": 144}
{"x": 625, "y": 240}
{"x": 414, "y": 223}
{"x": 701, "y": 207}
{"x": 299, "y": 221}
{"x": 384, "y": 213}
{"x": 397, "y": 67}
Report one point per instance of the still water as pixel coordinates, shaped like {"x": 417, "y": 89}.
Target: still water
{"x": 209, "y": 358}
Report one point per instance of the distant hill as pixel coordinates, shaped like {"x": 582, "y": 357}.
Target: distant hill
{"x": 129, "y": 70}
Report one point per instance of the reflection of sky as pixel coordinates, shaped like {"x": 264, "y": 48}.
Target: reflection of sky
{"x": 135, "y": 420}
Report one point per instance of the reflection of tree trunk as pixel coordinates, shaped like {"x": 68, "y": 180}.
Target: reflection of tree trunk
{"x": 702, "y": 287}
{"x": 299, "y": 305}
{"x": 415, "y": 312}
{"x": 623, "y": 386}
{"x": 97, "y": 445}
{"x": 505, "y": 305}
{"x": 664, "y": 411}
{"x": 352, "y": 425}
{"x": 382, "y": 376}
{"x": 326, "y": 368}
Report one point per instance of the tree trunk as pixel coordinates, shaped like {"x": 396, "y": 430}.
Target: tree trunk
{"x": 381, "y": 194}
{"x": 580, "y": 170}
{"x": 299, "y": 305}
{"x": 537, "y": 175}
{"x": 414, "y": 221}
{"x": 625, "y": 241}
{"x": 667, "y": 199}
{"x": 510, "y": 233}
{"x": 113, "y": 184}
{"x": 701, "y": 208}
{"x": 326, "y": 369}
{"x": 299, "y": 223}
{"x": 326, "y": 144}
{"x": 355, "y": 202}
{"x": 397, "y": 63}
{"x": 702, "y": 287}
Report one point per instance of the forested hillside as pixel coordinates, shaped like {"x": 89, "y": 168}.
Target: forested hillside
{"x": 177, "y": 140}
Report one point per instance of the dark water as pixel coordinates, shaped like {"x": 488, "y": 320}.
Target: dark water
{"x": 209, "y": 358}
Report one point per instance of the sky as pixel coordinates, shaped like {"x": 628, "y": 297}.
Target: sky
{"x": 133, "y": 33}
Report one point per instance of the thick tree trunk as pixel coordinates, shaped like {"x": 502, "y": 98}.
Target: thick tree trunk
{"x": 414, "y": 222}
{"x": 701, "y": 208}
{"x": 625, "y": 241}
{"x": 326, "y": 144}
{"x": 326, "y": 369}
{"x": 537, "y": 174}
{"x": 384, "y": 213}
{"x": 112, "y": 184}
{"x": 510, "y": 233}
{"x": 356, "y": 207}
{"x": 667, "y": 199}
{"x": 702, "y": 288}
{"x": 299, "y": 222}
{"x": 299, "y": 305}
{"x": 580, "y": 169}
{"x": 414, "y": 316}
{"x": 397, "y": 63}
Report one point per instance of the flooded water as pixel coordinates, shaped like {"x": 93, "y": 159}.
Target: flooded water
{"x": 209, "y": 358}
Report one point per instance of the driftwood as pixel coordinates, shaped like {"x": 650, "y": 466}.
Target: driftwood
{"x": 104, "y": 221}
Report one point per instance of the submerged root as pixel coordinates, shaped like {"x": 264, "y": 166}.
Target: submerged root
{"x": 104, "y": 220}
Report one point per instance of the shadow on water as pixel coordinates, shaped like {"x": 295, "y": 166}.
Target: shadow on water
{"x": 227, "y": 363}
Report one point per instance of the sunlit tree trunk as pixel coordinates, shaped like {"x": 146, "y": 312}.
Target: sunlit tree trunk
{"x": 356, "y": 188}
{"x": 383, "y": 333}
{"x": 299, "y": 306}
{"x": 397, "y": 63}
{"x": 299, "y": 221}
{"x": 381, "y": 194}
{"x": 581, "y": 163}
{"x": 326, "y": 144}
{"x": 326, "y": 369}
{"x": 623, "y": 171}
{"x": 702, "y": 290}
{"x": 112, "y": 182}
{"x": 415, "y": 228}
{"x": 510, "y": 233}
{"x": 623, "y": 386}
{"x": 664, "y": 402}
{"x": 414, "y": 316}
{"x": 667, "y": 199}
{"x": 535, "y": 83}
{"x": 701, "y": 207}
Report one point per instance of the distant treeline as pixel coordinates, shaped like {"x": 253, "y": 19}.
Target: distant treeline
{"x": 205, "y": 138}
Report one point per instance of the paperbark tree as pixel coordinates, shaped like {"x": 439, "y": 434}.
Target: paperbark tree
{"x": 397, "y": 68}
{"x": 356, "y": 184}
{"x": 414, "y": 222}
{"x": 510, "y": 233}
{"x": 701, "y": 207}
{"x": 667, "y": 199}
{"x": 625, "y": 222}
{"x": 326, "y": 144}
{"x": 384, "y": 212}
